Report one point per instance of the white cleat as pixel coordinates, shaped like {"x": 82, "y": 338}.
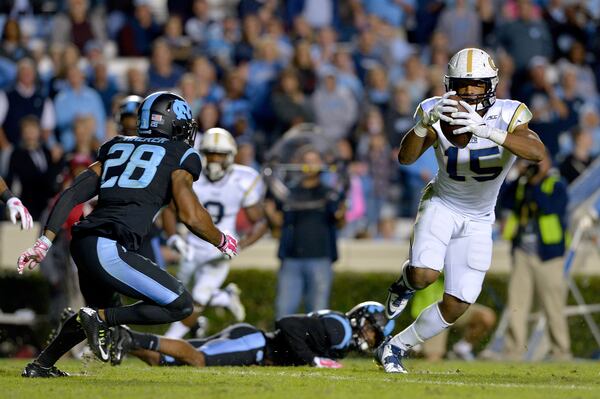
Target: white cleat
{"x": 397, "y": 300}
{"x": 235, "y": 304}
{"x": 390, "y": 358}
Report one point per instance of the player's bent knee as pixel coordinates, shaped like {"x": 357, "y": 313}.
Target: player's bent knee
{"x": 181, "y": 307}
{"x": 422, "y": 277}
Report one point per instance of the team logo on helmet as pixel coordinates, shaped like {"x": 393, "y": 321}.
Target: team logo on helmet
{"x": 492, "y": 64}
{"x": 182, "y": 110}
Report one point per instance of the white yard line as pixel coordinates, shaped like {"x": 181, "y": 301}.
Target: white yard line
{"x": 403, "y": 379}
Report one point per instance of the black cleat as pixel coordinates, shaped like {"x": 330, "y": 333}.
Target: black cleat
{"x": 97, "y": 333}
{"x": 121, "y": 344}
{"x": 34, "y": 370}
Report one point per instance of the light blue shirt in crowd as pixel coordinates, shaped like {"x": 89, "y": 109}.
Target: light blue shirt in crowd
{"x": 69, "y": 104}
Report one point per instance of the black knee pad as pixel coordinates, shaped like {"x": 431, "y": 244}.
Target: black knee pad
{"x": 181, "y": 307}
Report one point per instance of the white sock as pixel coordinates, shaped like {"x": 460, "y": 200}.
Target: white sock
{"x": 220, "y": 298}
{"x": 177, "y": 330}
{"x": 428, "y": 324}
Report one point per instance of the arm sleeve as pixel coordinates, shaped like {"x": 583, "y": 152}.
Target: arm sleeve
{"x": 84, "y": 188}
{"x": 295, "y": 330}
{"x": 190, "y": 162}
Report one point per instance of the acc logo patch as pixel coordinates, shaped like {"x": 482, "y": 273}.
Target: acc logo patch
{"x": 182, "y": 110}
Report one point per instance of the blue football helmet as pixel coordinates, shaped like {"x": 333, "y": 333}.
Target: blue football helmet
{"x": 373, "y": 313}
{"x": 168, "y": 115}
{"x": 128, "y": 108}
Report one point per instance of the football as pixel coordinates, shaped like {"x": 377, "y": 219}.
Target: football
{"x": 460, "y": 140}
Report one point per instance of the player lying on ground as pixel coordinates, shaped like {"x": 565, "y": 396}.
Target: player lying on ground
{"x": 453, "y": 229}
{"x": 16, "y": 209}
{"x": 134, "y": 177}
{"x": 316, "y": 339}
{"x": 224, "y": 188}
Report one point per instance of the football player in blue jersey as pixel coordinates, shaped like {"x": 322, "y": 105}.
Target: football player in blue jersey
{"x": 315, "y": 339}
{"x": 134, "y": 177}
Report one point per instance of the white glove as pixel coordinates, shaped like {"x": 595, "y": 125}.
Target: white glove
{"x": 444, "y": 105}
{"x": 228, "y": 246}
{"x": 474, "y": 123}
{"x": 177, "y": 243}
{"x": 325, "y": 363}
{"x": 35, "y": 255}
{"x": 17, "y": 211}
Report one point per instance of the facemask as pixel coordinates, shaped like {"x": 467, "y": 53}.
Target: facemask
{"x": 214, "y": 171}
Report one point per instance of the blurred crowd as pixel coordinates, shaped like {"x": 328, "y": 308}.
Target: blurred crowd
{"x": 355, "y": 68}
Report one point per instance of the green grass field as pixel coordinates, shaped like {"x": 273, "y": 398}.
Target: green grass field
{"x": 358, "y": 379}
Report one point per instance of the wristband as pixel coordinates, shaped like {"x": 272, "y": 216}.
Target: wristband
{"x": 223, "y": 241}
{"x": 420, "y": 129}
{"x": 46, "y": 241}
{"x": 498, "y": 136}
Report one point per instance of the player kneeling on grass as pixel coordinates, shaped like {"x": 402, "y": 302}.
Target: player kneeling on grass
{"x": 315, "y": 339}
{"x": 453, "y": 229}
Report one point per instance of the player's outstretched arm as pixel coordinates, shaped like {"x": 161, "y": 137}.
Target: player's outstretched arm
{"x": 525, "y": 143}
{"x": 195, "y": 217}
{"x": 84, "y": 187}
{"x": 16, "y": 209}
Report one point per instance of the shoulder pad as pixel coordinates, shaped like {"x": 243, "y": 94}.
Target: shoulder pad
{"x": 515, "y": 113}
{"x": 190, "y": 161}
{"x": 252, "y": 185}
{"x": 103, "y": 150}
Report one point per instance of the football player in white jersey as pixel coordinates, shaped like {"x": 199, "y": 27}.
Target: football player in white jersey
{"x": 453, "y": 228}
{"x": 224, "y": 188}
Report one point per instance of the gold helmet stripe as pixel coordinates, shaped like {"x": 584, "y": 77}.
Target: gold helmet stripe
{"x": 470, "y": 61}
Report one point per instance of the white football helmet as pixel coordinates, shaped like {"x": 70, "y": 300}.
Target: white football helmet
{"x": 476, "y": 65}
{"x": 217, "y": 141}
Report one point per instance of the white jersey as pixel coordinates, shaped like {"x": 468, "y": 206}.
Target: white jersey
{"x": 241, "y": 187}
{"x": 469, "y": 179}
